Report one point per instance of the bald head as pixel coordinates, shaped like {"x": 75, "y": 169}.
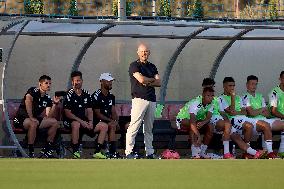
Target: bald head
{"x": 143, "y": 53}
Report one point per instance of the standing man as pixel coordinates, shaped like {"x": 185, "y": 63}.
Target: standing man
{"x": 79, "y": 117}
{"x": 104, "y": 111}
{"x": 29, "y": 115}
{"x": 144, "y": 77}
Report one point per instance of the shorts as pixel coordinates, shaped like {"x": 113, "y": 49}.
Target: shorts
{"x": 238, "y": 121}
{"x": 269, "y": 121}
{"x": 82, "y": 131}
{"x": 214, "y": 119}
{"x": 18, "y": 121}
{"x": 184, "y": 128}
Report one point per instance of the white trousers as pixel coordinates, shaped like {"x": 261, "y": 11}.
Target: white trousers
{"x": 141, "y": 110}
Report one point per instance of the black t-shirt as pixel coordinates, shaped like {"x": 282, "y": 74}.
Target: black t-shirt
{"x": 78, "y": 104}
{"x": 137, "y": 89}
{"x": 38, "y": 105}
{"x": 102, "y": 102}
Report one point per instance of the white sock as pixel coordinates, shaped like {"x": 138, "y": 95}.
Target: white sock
{"x": 195, "y": 150}
{"x": 269, "y": 145}
{"x": 226, "y": 147}
{"x": 263, "y": 143}
{"x": 281, "y": 147}
{"x": 251, "y": 151}
{"x": 203, "y": 149}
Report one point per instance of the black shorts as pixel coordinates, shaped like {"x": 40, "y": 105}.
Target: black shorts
{"x": 18, "y": 121}
{"x": 123, "y": 120}
{"x": 82, "y": 131}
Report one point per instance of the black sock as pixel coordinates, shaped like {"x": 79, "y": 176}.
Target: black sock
{"x": 105, "y": 145}
{"x": 31, "y": 148}
{"x": 135, "y": 148}
{"x": 98, "y": 147}
{"x": 112, "y": 147}
{"x": 75, "y": 147}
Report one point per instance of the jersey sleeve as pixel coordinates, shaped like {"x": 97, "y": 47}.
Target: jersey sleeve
{"x": 193, "y": 108}
{"x": 263, "y": 103}
{"x": 67, "y": 103}
{"x": 222, "y": 103}
{"x": 242, "y": 103}
{"x": 155, "y": 70}
{"x": 245, "y": 101}
{"x": 211, "y": 108}
{"x": 32, "y": 91}
{"x": 49, "y": 102}
{"x": 273, "y": 98}
{"x": 95, "y": 101}
{"x": 133, "y": 68}
{"x": 113, "y": 100}
{"x": 89, "y": 101}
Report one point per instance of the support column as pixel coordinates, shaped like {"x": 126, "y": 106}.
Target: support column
{"x": 236, "y": 8}
{"x": 154, "y": 11}
{"x": 121, "y": 6}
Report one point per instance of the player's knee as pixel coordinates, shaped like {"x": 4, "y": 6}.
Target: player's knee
{"x": 227, "y": 127}
{"x": 112, "y": 127}
{"x": 247, "y": 126}
{"x": 32, "y": 126}
{"x": 103, "y": 128}
{"x": 75, "y": 125}
{"x": 53, "y": 122}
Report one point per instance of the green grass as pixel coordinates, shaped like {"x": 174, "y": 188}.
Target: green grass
{"x": 135, "y": 174}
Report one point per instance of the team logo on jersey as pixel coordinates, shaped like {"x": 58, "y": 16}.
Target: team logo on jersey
{"x": 44, "y": 103}
{"x": 110, "y": 102}
{"x": 85, "y": 100}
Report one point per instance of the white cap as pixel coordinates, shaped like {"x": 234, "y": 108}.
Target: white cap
{"x": 106, "y": 76}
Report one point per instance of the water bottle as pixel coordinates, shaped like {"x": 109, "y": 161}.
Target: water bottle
{"x": 234, "y": 151}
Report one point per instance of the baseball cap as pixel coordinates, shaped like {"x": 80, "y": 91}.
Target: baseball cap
{"x": 106, "y": 76}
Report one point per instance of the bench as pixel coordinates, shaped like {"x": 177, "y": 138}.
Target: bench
{"x": 165, "y": 133}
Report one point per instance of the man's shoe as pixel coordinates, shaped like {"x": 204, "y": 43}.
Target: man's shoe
{"x": 228, "y": 156}
{"x": 259, "y": 154}
{"x": 196, "y": 157}
{"x": 152, "y": 156}
{"x": 281, "y": 154}
{"x": 45, "y": 153}
{"x": 31, "y": 155}
{"x": 99, "y": 155}
{"x": 271, "y": 155}
{"x": 137, "y": 155}
{"x": 130, "y": 156}
{"x": 205, "y": 156}
{"x": 76, "y": 155}
{"x": 247, "y": 156}
{"x": 115, "y": 155}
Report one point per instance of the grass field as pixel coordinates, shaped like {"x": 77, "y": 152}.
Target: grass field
{"x": 135, "y": 174}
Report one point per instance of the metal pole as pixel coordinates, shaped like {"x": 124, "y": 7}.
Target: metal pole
{"x": 154, "y": 12}
{"x": 121, "y": 6}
